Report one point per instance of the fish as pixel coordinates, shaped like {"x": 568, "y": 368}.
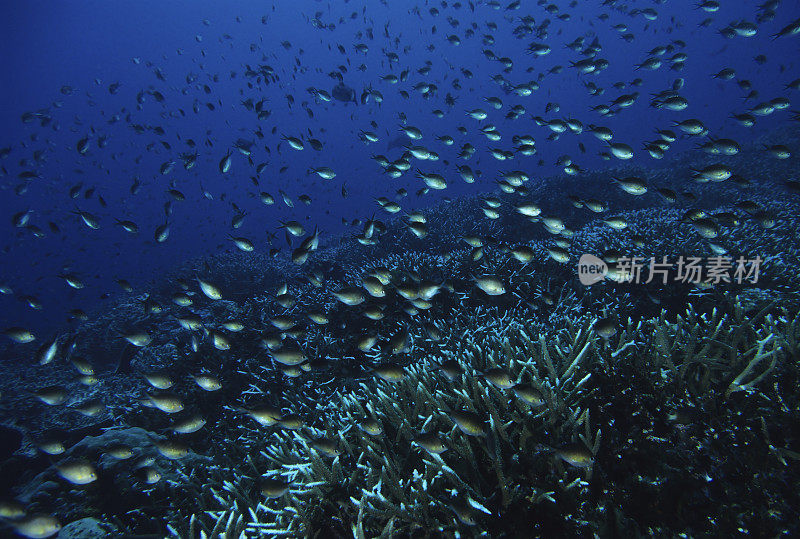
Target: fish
{"x": 431, "y": 442}
{"x": 78, "y": 472}
{"x": 209, "y": 289}
{"x": 350, "y": 296}
{"x": 370, "y": 426}
{"x": 468, "y": 422}
{"x": 169, "y": 403}
{"x": 171, "y": 450}
{"x": 632, "y": 185}
{"x": 207, "y": 382}
{"x": 499, "y": 378}
{"x": 37, "y": 526}
{"x": 490, "y": 285}
{"x": 159, "y": 380}
{"x": 19, "y": 335}
{"x": 52, "y": 395}
{"x": 189, "y": 426}
{"x": 273, "y": 488}
{"x": 243, "y": 244}
{"x": 390, "y": 372}
{"x": 529, "y": 394}
{"x": 576, "y": 455}
{"x": 264, "y": 415}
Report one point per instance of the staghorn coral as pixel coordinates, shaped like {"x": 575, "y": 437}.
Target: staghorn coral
{"x": 687, "y": 408}
{"x": 669, "y": 375}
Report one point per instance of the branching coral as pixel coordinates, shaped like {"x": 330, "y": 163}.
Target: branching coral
{"x": 532, "y": 441}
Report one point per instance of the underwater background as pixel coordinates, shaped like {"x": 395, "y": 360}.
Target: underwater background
{"x": 362, "y": 269}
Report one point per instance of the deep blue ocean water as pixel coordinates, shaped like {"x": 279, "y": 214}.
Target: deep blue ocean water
{"x": 91, "y": 46}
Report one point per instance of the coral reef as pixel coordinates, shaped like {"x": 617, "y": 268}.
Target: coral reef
{"x": 574, "y": 434}
{"x": 462, "y": 384}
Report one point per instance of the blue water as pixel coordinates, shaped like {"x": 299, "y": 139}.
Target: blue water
{"x": 92, "y": 45}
